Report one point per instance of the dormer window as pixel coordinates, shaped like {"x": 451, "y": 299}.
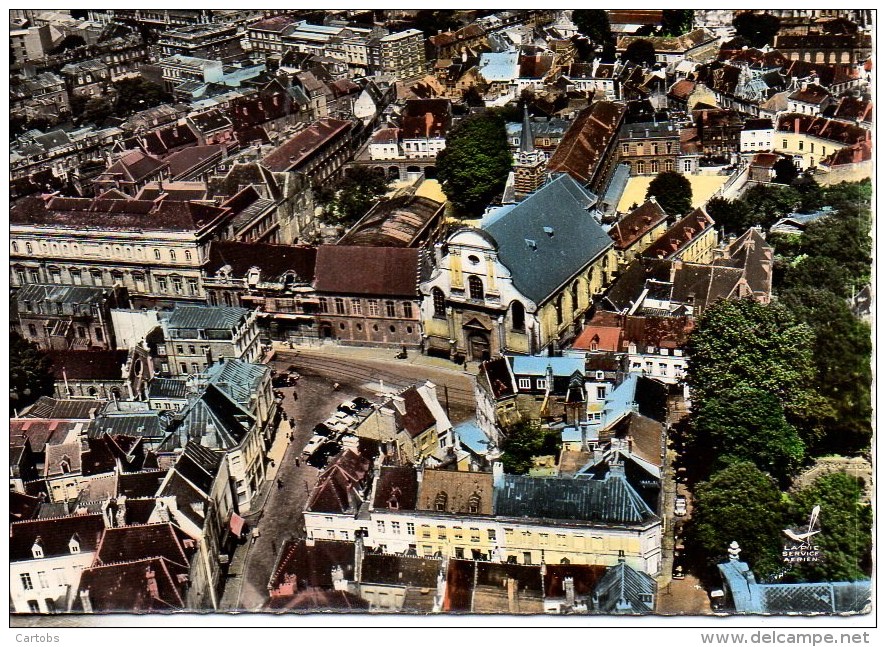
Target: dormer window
{"x": 441, "y": 501}
{"x": 474, "y": 503}
{"x": 65, "y": 465}
{"x": 37, "y": 549}
{"x": 74, "y": 546}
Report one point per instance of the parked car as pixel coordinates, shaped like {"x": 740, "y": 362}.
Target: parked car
{"x": 680, "y": 506}
{"x": 361, "y": 403}
{"x": 322, "y": 430}
{"x": 679, "y": 570}
{"x": 313, "y": 445}
{"x": 321, "y": 457}
{"x": 347, "y": 407}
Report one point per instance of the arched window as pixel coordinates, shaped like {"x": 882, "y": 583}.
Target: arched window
{"x": 439, "y": 302}
{"x": 518, "y": 316}
{"x": 440, "y": 501}
{"x": 558, "y": 306}
{"x": 29, "y": 248}
{"x": 475, "y": 288}
{"x": 474, "y": 503}
{"x": 575, "y": 295}
{"x": 14, "y": 247}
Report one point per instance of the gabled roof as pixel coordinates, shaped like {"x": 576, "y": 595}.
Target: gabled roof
{"x": 416, "y": 417}
{"x": 173, "y": 136}
{"x": 395, "y": 222}
{"x": 461, "y": 489}
{"x": 190, "y": 158}
{"x": 379, "y": 271}
{"x": 339, "y": 485}
{"x": 135, "y": 166}
{"x": 582, "y": 148}
{"x": 305, "y": 143}
{"x": 138, "y": 542}
{"x": 312, "y": 565}
{"x": 624, "y": 591}
{"x": 811, "y": 93}
{"x": 238, "y": 379}
{"x": 273, "y": 261}
{"x": 751, "y": 253}
{"x": 399, "y": 570}
{"x": 215, "y": 420}
{"x": 138, "y": 586}
{"x": 54, "y": 535}
{"x": 675, "y": 239}
{"x": 548, "y": 238}
{"x": 498, "y": 376}
{"x": 45, "y": 431}
{"x": 636, "y": 224}
{"x": 396, "y": 488}
{"x": 206, "y": 317}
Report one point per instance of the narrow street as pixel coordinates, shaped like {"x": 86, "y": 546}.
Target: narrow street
{"x": 282, "y": 498}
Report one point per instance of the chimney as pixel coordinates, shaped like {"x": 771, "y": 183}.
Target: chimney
{"x": 796, "y": 125}
{"x": 85, "y": 601}
{"x": 569, "y": 589}
{"x": 358, "y": 557}
{"x": 513, "y": 602}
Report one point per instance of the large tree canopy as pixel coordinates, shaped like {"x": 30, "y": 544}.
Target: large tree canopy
{"x": 758, "y": 28}
{"x": 747, "y": 423}
{"x": 739, "y": 503}
{"x": 845, "y": 539}
{"x": 593, "y": 23}
{"x": 675, "y": 22}
{"x": 641, "y": 51}
{"x": 30, "y": 373}
{"x": 475, "y": 164}
{"x": 745, "y": 342}
{"x": 732, "y": 216}
{"x": 672, "y": 191}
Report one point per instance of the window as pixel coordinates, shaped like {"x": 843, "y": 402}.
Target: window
{"x": 687, "y": 166}
{"x": 457, "y": 532}
{"x": 29, "y": 248}
{"x": 601, "y": 392}
{"x": 527, "y": 558}
{"x": 380, "y": 526}
{"x": 192, "y": 286}
{"x": 459, "y": 553}
{"x": 395, "y": 527}
{"x": 356, "y": 307}
{"x": 784, "y": 143}
{"x": 162, "y": 285}
{"x": 188, "y": 255}
{"x": 324, "y": 304}
{"x": 662, "y": 369}
{"x": 172, "y": 255}
{"x": 410, "y": 528}
{"x": 156, "y": 254}
{"x": 373, "y": 307}
{"x": 439, "y": 302}
{"x": 558, "y": 307}
{"x": 184, "y": 367}
{"x": 33, "y": 606}
{"x": 518, "y": 316}
{"x": 426, "y": 532}
{"x": 99, "y": 335}
{"x": 490, "y": 534}
{"x": 176, "y": 285}
{"x": 44, "y": 581}
{"x": 441, "y": 532}
{"x": 624, "y": 149}
{"x": 191, "y": 349}
{"x": 55, "y": 275}
{"x": 524, "y": 383}
{"x": 390, "y": 309}
{"x": 58, "y": 575}
{"x": 330, "y": 534}
{"x": 27, "y": 585}
{"x": 641, "y": 167}
{"x": 541, "y": 383}
{"x": 339, "y": 306}
{"x": 441, "y": 501}
{"x": 32, "y": 330}
{"x": 475, "y": 288}
{"x": 407, "y": 309}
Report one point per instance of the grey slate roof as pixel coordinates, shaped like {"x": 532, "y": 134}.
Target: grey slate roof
{"x": 238, "y": 379}
{"x": 611, "y": 500}
{"x": 622, "y": 591}
{"x": 548, "y": 238}
{"x": 214, "y": 421}
{"x": 76, "y": 294}
{"x": 142, "y": 425}
{"x": 165, "y": 387}
{"x": 206, "y": 317}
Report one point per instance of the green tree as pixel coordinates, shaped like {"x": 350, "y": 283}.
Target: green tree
{"x": 757, "y": 28}
{"x": 845, "y": 238}
{"x": 811, "y": 193}
{"x": 745, "y": 423}
{"x": 71, "y": 41}
{"x": 745, "y": 342}
{"x": 30, "y": 373}
{"x": 433, "y": 21}
{"x": 676, "y": 22}
{"x": 353, "y": 195}
{"x": 739, "y": 503}
{"x": 733, "y": 216}
{"x": 96, "y": 110}
{"x": 521, "y": 442}
{"x": 593, "y": 23}
{"x": 137, "y": 94}
{"x": 785, "y": 171}
{"x": 641, "y": 51}
{"x": 475, "y": 164}
{"x": 769, "y": 203}
{"x": 846, "y": 524}
{"x": 672, "y": 191}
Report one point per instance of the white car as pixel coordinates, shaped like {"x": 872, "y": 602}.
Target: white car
{"x": 680, "y": 506}
{"x": 313, "y": 445}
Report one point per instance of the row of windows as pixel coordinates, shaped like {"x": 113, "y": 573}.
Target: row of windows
{"x": 639, "y": 149}
{"x": 342, "y": 306}
{"x": 113, "y": 252}
{"x": 654, "y": 167}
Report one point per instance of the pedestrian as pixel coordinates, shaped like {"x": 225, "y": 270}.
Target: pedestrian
{"x": 335, "y": 386}
{"x": 279, "y": 484}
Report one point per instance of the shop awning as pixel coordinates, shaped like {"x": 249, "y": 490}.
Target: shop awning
{"x": 237, "y": 523}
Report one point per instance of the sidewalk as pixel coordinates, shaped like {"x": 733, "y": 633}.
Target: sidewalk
{"x": 414, "y": 357}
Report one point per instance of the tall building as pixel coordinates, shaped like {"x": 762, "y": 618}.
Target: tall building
{"x": 401, "y": 55}
{"x": 529, "y": 165}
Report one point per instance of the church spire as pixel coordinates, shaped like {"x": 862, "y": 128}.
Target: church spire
{"x": 527, "y": 141}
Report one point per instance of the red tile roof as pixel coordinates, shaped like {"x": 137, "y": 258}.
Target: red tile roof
{"x": 602, "y": 333}
{"x": 42, "y": 431}
{"x": 192, "y": 157}
{"x": 54, "y": 535}
{"x": 135, "y": 166}
{"x": 300, "y": 147}
{"x": 680, "y": 235}
{"x": 378, "y": 271}
{"x": 581, "y": 150}
{"x": 139, "y": 542}
{"x": 137, "y": 586}
{"x": 88, "y": 364}
{"x": 636, "y": 224}
{"x": 682, "y": 89}
{"x": 273, "y": 260}
{"x": 812, "y": 93}
{"x": 830, "y": 129}
{"x": 417, "y": 418}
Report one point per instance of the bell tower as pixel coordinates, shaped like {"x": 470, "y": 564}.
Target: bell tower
{"x": 529, "y": 165}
